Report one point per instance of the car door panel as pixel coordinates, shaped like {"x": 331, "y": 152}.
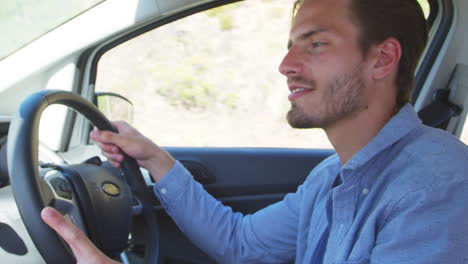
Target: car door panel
{"x": 246, "y": 179}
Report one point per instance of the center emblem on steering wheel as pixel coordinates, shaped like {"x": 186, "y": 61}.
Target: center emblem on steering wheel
{"x": 111, "y": 189}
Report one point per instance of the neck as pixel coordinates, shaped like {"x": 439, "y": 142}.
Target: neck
{"x": 349, "y": 135}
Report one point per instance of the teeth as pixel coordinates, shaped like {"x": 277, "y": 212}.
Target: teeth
{"x": 298, "y": 90}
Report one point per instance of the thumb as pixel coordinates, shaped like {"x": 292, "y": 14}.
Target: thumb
{"x": 82, "y": 247}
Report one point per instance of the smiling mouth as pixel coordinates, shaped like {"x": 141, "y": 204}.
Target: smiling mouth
{"x": 298, "y": 92}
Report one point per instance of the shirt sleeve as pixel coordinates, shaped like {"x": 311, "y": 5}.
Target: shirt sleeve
{"x": 426, "y": 226}
{"x": 268, "y": 236}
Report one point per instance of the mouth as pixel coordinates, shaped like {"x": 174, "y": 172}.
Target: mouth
{"x": 297, "y": 92}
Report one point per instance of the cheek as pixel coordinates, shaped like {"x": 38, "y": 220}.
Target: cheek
{"x": 324, "y": 66}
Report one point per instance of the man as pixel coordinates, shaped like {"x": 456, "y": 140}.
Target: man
{"x": 395, "y": 191}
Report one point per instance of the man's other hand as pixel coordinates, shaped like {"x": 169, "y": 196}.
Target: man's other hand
{"x": 82, "y": 247}
{"x": 134, "y": 144}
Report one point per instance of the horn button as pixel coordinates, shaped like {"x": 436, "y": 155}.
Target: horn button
{"x": 104, "y": 200}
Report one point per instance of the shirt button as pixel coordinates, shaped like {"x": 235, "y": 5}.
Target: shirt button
{"x": 365, "y": 191}
{"x": 163, "y": 190}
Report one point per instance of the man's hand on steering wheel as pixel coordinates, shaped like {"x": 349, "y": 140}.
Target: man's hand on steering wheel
{"x": 134, "y": 144}
{"x": 82, "y": 247}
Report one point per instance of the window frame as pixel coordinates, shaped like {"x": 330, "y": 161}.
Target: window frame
{"x": 444, "y": 10}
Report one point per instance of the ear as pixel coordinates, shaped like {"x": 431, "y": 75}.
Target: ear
{"x": 388, "y": 55}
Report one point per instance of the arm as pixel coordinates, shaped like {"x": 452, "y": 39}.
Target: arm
{"x": 268, "y": 236}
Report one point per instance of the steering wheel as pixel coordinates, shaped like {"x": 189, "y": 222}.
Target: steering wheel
{"x": 102, "y": 204}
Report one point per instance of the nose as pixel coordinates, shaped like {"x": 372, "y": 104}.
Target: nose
{"x": 291, "y": 64}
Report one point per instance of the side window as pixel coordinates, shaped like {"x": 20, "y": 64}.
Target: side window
{"x": 211, "y": 79}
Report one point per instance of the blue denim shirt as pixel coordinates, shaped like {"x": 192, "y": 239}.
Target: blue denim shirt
{"x": 403, "y": 198}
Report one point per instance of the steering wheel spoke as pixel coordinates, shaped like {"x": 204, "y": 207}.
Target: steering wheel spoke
{"x": 64, "y": 197}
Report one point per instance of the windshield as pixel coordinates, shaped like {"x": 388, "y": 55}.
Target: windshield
{"x": 22, "y": 21}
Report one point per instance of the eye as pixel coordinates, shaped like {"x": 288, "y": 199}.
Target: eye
{"x": 318, "y": 44}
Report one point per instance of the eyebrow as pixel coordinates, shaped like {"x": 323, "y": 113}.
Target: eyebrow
{"x": 307, "y": 35}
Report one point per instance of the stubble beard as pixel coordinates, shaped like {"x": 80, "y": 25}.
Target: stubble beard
{"x": 341, "y": 100}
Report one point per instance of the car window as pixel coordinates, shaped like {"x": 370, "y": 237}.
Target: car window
{"x": 23, "y": 21}
{"x": 211, "y": 79}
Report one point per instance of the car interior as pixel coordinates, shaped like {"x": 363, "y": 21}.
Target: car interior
{"x": 174, "y": 69}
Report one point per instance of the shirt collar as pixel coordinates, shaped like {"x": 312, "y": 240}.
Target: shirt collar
{"x": 396, "y": 128}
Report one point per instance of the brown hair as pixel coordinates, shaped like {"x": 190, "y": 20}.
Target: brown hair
{"x": 379, "y": 20}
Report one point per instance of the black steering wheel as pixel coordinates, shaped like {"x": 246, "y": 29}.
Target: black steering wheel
{"x": 100, "y": 203}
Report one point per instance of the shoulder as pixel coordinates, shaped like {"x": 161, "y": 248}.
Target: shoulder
{"x": 436, "y": 150}
{"x": 430, "y": 164}
{"x": 425, "y": 159}
{"x": 427, "y": 179}
{"x": 438, "y": 155}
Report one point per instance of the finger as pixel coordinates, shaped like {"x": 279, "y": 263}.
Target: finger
{"x": 94, "y": 133}
{"x": 108, "y": 148}
{"x": 97, "y": 135}
{"x": 115, "y": 164}
{"x": 122, "y": 126}
{"x": 78, "y": 242}
{"x": 116, "y": 158}
{"x": 110, "y": 138}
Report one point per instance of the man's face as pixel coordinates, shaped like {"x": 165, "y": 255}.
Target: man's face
{"x": 324, "y": 65}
